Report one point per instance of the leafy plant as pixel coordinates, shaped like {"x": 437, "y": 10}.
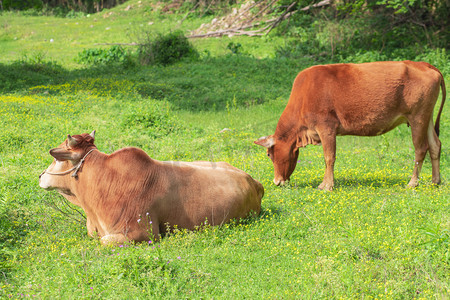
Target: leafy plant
{"x": 113, "y": 55}
{"x": 165, "y": 49}
{"x": 235, "y": 48}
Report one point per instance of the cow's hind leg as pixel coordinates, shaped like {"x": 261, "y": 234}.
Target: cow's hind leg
{"x": 434, "y": 145}
{"x": 419, "y": 137}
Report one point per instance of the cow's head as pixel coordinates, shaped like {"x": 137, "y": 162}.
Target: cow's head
{"x": 283, "y": 154}
{"x": 66, "y": 158}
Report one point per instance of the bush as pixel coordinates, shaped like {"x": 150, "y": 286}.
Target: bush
{"x": 353, "y": 40}
{"x": 235, "y": 48}
{"x": 166, "y": 49}
{"x": 365, "y": 30}
{"x": 113, "y": 55}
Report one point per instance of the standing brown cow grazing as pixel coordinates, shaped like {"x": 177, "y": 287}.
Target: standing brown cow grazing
{"x": 357, "y": 99}
{"x": 127, "y": 195}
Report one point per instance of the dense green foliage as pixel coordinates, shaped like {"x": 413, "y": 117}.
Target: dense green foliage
{"x": 59, "y": 7}
{"x": 113, "y": 55}
{"x": 166, "y": 49}
{"x": 425, "y": 13}
{"x": 370, "y": 238}
{"x": 373, "y": 30}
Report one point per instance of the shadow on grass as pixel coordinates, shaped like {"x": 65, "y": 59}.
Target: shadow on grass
{"x": 20, "y": 76}
{"x": 210, "y": 84}
{"x": 353, "y": 182}
{"x": 389, "y": 181}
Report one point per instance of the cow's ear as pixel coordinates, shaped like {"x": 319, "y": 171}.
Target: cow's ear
{"x": 62, "y": 154}
{"x": 266, "y": 141}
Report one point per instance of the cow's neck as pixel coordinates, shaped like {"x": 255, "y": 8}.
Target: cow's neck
{"x": 83, "y": 188}
{"x": 100, "y": 186}
{"x": 80, "y": 185}
{"x": 287, "y": 127}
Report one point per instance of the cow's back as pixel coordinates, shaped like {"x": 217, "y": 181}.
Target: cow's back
{"x": 364, "y": 99}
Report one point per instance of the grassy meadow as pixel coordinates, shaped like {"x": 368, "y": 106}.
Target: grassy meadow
{"x": 371, "y": 238}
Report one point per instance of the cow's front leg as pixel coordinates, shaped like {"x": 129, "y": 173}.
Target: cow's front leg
{"x": 329, "y": 151}
{"x": 91, "y": 229}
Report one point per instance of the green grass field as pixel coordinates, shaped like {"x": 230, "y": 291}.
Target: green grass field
{"x": 371, "y": 238}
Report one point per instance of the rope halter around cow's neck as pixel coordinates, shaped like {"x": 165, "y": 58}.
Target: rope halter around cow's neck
{"x": 75, "y": 168}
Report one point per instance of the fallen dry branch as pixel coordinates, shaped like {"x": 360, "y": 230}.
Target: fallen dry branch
{"x": 243, "y": 21}
{"x": 281, "y": 18}
{"x": 320, "y": 4}
{"x": 262, "y": 11}
{"x": 239, "y": 21}
{"x": 191, "y": 11}
{"x": 231, "y": 31}
{"x": 236, "y": 31}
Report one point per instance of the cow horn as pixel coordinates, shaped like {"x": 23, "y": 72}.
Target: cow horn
{"x": 71, "y": 141}
{"x": 93, "y": 134}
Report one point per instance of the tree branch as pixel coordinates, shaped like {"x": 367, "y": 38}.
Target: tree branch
{"x": 240, "y": 29}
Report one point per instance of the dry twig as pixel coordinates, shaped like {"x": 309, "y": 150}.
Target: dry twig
{"x": 246, "y": 20}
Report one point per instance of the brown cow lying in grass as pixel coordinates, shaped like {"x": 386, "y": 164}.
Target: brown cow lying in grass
{"x": 358, "y": 99}
{"x": 127, "y": 196}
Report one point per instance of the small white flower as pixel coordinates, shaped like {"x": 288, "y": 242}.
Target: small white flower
{"x": 139, "y": 220}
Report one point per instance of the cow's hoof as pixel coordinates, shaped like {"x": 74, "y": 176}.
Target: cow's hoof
{"x": 325, "y": 187}
{"x": 436, "y": 182}
{"x": 413, "y": 184}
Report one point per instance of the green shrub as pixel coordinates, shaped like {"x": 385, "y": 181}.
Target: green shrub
{"x": 166, "y": 49}
{"x": 113, "y": 55}
{"x": 235, "y": 48}
{"x": 375, "y": 32}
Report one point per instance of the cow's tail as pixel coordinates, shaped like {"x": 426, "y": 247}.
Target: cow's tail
{"x": 444, "y": 95}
